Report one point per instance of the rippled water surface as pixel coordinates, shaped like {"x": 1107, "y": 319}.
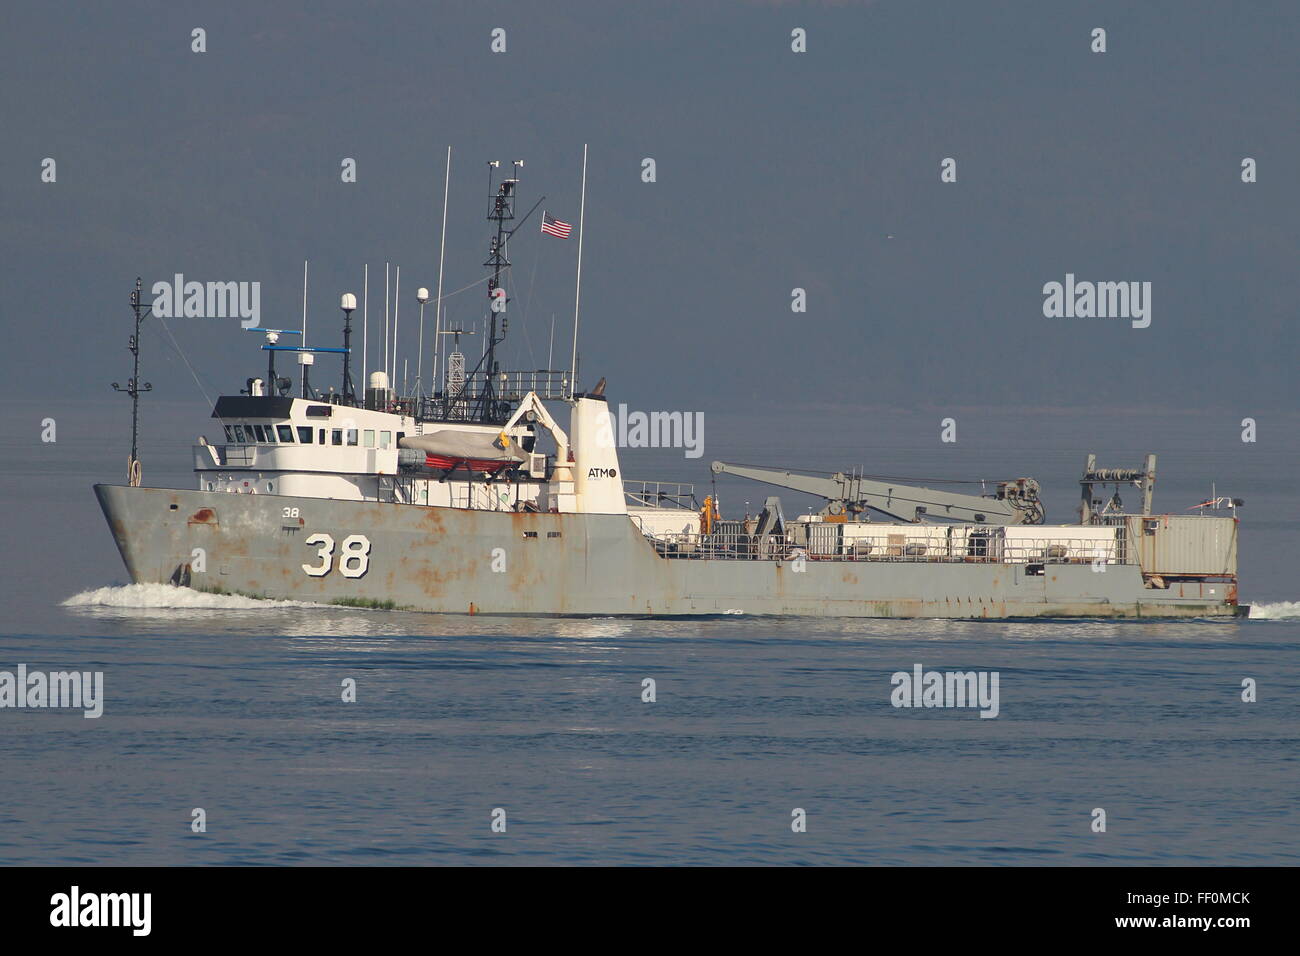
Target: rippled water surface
{"x": 239, "y": 711}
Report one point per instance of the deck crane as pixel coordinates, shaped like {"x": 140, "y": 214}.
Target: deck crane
{"x": 848, "y": 496}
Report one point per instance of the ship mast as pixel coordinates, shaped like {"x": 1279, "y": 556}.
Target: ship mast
{"x": 134, "y": 388}
{"x": 485, "y": 394}
{"x": 503, "y": 211}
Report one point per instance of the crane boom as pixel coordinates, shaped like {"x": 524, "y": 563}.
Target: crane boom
{"x": 1016, "y": 502}
{"x": 530, "y": 403}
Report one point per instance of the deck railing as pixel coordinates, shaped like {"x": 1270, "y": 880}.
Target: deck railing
{"x": 507, "y": 387}
{"x": 660, "y": 494}
{"x": 971, "y": 550}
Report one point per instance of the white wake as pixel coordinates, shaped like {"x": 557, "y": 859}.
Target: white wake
{"x": 167, "y": 596}
{"x": 1278, "y": 611}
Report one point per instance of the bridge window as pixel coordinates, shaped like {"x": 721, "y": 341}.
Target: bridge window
{"x": 230, "y": 433}
{"x": 286, "y": 433}
{"x": 385, "y": 439}
{"x": 352, "y": 436}
{"x": 304, "y": 434}
{"x": 336, "y": 436}
{"x": 239, "y": 434}
{"x": 368, "y": 438}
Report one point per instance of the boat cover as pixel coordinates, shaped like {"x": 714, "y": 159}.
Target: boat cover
{"x": 451, "y": 448}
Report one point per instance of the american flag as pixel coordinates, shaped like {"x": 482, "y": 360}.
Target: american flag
{"x": 554, "y": 227}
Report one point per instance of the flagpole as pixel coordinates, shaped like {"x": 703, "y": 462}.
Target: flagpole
{"x": 577, "y": 295}
{"x": 304, "y": 324}
{"x": 437, "y": 322}
{"x": 397, "y": 305}
{"x": 550, "y": 352}
{"x": 389, "y": 383}
{"x": 365, "y": 332}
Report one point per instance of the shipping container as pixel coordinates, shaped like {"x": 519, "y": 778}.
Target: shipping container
{"x": 1183, "y": 544}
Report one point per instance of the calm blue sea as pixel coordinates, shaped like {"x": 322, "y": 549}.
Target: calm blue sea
{"x": 234, "y": 706}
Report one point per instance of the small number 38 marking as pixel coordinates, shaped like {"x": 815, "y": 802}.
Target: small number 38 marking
{"x": 354, "y": 555}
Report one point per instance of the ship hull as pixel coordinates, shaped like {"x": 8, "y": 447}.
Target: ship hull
{"x": 454, "y": 560}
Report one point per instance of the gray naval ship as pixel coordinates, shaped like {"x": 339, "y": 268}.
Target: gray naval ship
{"x": 475, "y": 499}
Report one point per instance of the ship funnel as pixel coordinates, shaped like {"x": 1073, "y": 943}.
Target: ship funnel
{"x": 597, "y": 481}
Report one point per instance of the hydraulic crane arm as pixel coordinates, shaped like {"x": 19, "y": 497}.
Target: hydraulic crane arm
{"x": 1016, "y": 502}
{"x": 531, "y": 410}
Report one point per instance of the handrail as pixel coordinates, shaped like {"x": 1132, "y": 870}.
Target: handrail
{"x": 915, "y": 550}
{"x": 660, "y": 494}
